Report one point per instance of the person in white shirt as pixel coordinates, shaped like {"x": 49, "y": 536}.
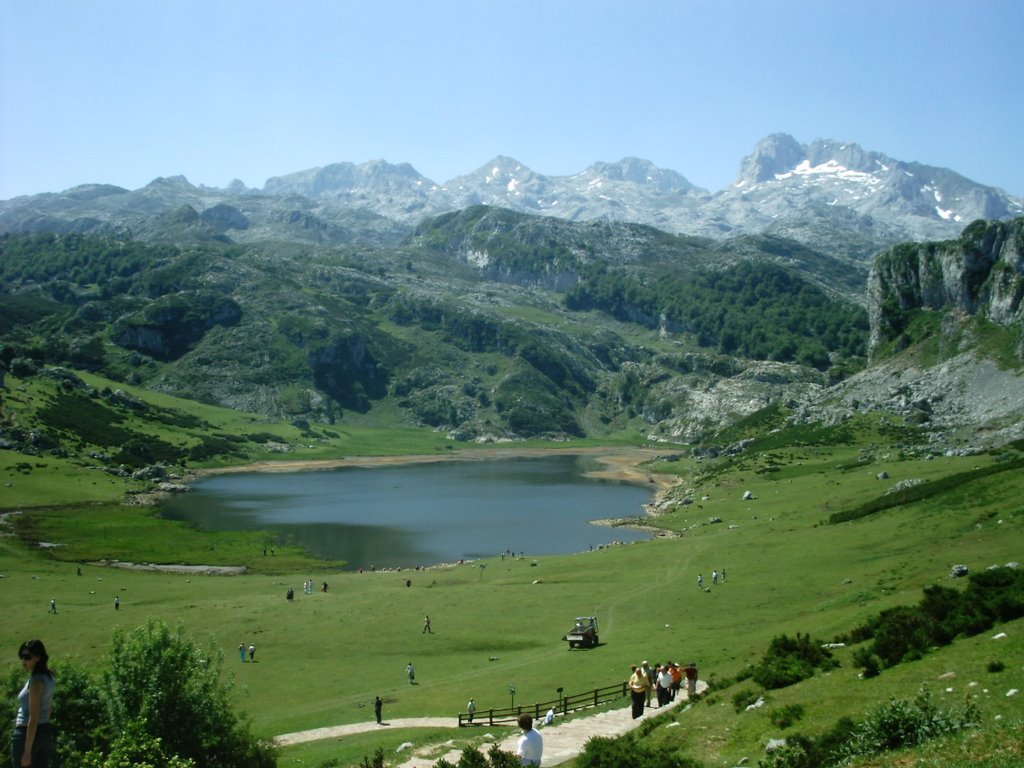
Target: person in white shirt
{"x": 531, "y": 745}
{"x": 549, "y": 718}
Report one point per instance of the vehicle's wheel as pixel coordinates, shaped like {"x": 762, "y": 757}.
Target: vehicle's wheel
{"x": 595, "y": 643}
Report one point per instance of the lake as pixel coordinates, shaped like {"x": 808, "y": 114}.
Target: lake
{"x": 422, "y": 514}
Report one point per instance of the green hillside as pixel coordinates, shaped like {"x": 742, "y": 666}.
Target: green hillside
{"x": 790, "y": 572}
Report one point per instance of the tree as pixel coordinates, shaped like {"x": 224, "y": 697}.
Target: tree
{"x": 169, "y": 686}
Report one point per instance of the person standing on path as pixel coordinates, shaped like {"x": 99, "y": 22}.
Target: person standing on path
{"x": 637, "y": 690}
{"x": 426, "y": 626}
{"x": 32, "y": 742}
{"x": 471, "y": 708}
{"x": 378, "y": 706}
{"x": 690, "y": 670}
{"x": 531, "y": 745}
{"x": 411, "y": 672}
{"x": 651, "y": 679}
{"x": 664, "y": 685}
{"x": 677, "y": 678}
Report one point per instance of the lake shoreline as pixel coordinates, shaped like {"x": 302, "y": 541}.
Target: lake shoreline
{"x": 617, "y": 464}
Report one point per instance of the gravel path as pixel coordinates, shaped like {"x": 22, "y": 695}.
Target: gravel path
{"x": 562, "y": 741}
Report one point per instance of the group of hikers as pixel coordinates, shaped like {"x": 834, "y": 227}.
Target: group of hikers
{"x": 662, "y": 681}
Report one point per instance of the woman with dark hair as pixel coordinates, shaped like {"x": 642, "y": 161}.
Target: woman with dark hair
{"x": 32, "y": 742}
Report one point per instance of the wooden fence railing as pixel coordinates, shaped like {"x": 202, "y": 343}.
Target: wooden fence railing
{"x": 563, "y": 705}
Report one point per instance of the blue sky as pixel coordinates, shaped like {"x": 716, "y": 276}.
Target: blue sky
{"x": 124, "y": 91}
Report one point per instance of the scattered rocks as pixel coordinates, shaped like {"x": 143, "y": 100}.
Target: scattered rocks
{"x": 757, "y": 704}
{"x": 903, "y": 485}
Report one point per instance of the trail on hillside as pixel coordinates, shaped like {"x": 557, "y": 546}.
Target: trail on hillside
{"x": 562, "y": 741}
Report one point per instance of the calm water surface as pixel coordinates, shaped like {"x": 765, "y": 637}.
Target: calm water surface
{"x": 420, "y": 514}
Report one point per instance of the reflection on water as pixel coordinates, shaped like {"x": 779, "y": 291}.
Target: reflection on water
{"x": 419, "y": 514}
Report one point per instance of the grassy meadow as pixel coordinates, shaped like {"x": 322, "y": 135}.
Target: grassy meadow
{"x": 497, "y": 623}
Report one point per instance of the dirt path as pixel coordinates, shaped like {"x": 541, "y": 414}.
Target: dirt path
{"x": 562, "y": 741}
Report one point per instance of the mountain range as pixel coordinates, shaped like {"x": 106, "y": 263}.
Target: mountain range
{"x": 505, "y": 304}
{"x": 835, "y": 197}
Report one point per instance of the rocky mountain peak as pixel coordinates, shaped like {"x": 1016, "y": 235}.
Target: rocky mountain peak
{"x": 774, "y": 154}
{"x": 644, "y": 173}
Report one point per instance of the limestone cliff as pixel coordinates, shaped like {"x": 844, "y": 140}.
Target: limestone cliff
{"x": 980, "y": 273}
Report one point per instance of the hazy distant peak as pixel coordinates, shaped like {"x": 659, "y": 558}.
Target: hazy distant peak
{"x": 170, "y": 182}
{"x": 642, "y": 172}
{"x": 774, "y": 154}
{"x": 341, "y": 178}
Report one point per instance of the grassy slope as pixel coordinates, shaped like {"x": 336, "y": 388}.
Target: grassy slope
{"x": 322, "y": 659}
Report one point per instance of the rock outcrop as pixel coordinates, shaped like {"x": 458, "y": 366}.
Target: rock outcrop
{"x": 980, "y": 273}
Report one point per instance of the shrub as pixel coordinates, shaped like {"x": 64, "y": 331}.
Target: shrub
{"x": 169, "y": 683}
{"x": 136, "y": 749}
{"x": 470, "y": 758}
{"x": 790, "y": 660}
{"x": 864, "y": 658}
{"x": 744, "y": 698}
{"x": 629, "y": 752}
{"x": 901, "y": 723}
{"x": 784, "y": 717}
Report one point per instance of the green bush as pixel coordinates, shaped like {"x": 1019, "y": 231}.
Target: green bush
{"x": 906, "y": 632}
{"x": 870, "y": 664}
{"x": 743, "y": 698}
{"x": 172, "y": 686}
{"x": 470, "y": 758}
{"x": 629, "y": 752}
{"x": 901, "y": 723}
{"x": 135, "y": 748}
{"x": 790, "y": 660}
{"x": 784, "y": 717}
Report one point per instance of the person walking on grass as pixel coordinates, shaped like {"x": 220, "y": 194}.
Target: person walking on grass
{"x": 426, "y": 626}
{"x": 411, "y": 672}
